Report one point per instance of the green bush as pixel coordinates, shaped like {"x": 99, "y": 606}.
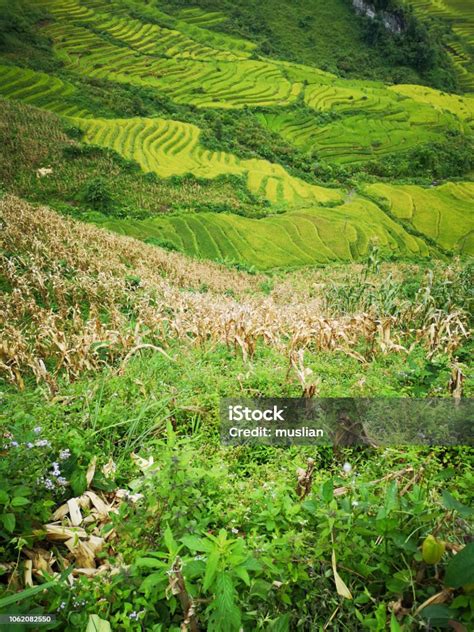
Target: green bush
{"x": 97, "y": 193}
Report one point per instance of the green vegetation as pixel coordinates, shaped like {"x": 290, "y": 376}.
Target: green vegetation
{"x": 296, "y": 238}
{"x": 459, "y": 42}
{"x": 298, "y": 143}
{"x": 255, "y": 553}
{"x": 35, "y": 140}
{"x": 220, "y": 199}
{"x": 353, "y": 47}
{"x": 438, "y": 213}
{"x": 135, "y": 438}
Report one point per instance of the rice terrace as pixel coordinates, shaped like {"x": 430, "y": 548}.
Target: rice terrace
{"x": 256, "y": 202}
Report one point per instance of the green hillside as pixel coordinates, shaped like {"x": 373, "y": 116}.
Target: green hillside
{"x": 296, "y": 238}
{"x": 459, "y": 14}
{"x": 300, "y": 140}
{"x": 215, "y": 199}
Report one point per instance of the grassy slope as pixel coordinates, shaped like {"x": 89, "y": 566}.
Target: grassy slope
{"x": 438, "y": 213}
{"x": 78, "y": 303}
{"x": 35, "y": 139}
{"x": 68, "y": 264}
{"x": 146, "y": 207}
{"x": 296, "y": 238}
{"x": 154, "y": 52}
{"x": 299, "y": 31}
{"x": 81, "y": 299}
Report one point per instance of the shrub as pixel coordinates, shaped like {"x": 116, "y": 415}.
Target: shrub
{"x": 97, "y": 194}
{"x": 167, "y": 244}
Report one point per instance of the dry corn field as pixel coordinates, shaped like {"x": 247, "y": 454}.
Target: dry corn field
{"x": 80, "y": 298}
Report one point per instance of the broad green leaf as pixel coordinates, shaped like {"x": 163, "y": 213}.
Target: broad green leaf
{"x": 341, "y": 587}
{"x": 96, "y": 624}
{"x": 394, "y": 625}
{"x": 150, "y": 562}
{"x": 9, "y": 521}
{"x": 261, "y": 588}
{"x": 211, "y": 569}
{"x": 153, "y": 580}
{"x": 282, "y": 624}
{"x": 4, "y": 498}
{"x": 193, "y": 543}
{"x": 242, "y": 573}
{"x": 454, "y": 505}
{"x": 194, "y": 568}
{"x": 228, "y": 612}
{"x": 19, "y": 501}
{"x": 170, "y": 542}
{"x": 391, "y": 497}
{"x": 460, "y": 570}
{"x": 437, "y": 614}
{"x": 310, "y": 506}
{"x": 327, "y": 491}
{"x": 251, "y": 564}
{"x": 78, "y": 482}
{"x": 21, "y": 491}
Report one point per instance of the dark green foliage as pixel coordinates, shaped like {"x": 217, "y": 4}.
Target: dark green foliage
{"x": 353, "y": 46}
{"x": 98, "y": 194}
{"x": 254, "y": 554}
{"x": 162, "y": 243}
{"x": 242, "y": 134}
{"x": 250, "y": 549}
{"x": 17, "y": 20}
{"x": 450, "y": 158}
{"x": 412, "y": 44}
{"x": 20, "y": 37}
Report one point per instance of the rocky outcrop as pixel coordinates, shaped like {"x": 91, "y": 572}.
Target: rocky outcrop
{"x": 391, "y": 21}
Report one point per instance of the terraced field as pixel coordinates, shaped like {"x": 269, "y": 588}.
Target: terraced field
{"x": 40, "y": 90}
{"x": 444, "y": 213}
{"x": 361, "y": 135}
{"x": 296, "y": 238}
{"x": 460, "y": 106}
{"x": 460, "y": 15}
{"x": 326, "y": 117}
{"x": 202, "y": 18}
{"x": 170, "y": 148}
{"x": 193, "y": 64}
{"x": 187, "y": 78}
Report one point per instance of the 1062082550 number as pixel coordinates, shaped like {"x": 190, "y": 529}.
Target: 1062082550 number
{"x": 37, "y": 619}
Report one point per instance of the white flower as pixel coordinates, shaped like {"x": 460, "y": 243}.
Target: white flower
{"x": 61, "y": 481}
{"x": 64, "y": 454}
{"x": 42, "y": 443}
{"x": 355, "y": 503}
{"x": 37, "y": 429}
{"x": 133, "y": 615}
{"x": 48, "y": 483}
{"x": 29, "y": 445}
{"x": 56, "y": 471}
{"x": 347, "y": 467}
{"x": 14, "y": 444}
{"x": 234, "y": 530}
